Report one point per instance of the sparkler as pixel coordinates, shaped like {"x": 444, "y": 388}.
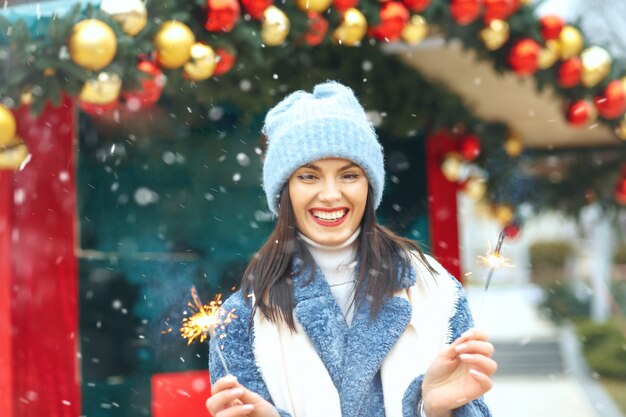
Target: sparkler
{"x": 204, "y": 322}
{"x": 492, "y": 260}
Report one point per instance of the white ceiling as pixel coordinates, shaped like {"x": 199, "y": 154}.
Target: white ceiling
{"x": 537, "y": 117}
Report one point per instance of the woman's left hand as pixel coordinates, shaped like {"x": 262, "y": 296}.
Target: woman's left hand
{"x": 459, "y": 374}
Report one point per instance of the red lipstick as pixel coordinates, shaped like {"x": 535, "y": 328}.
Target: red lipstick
{"x": 326, "y": 223}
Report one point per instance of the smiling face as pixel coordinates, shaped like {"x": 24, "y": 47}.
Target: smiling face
{"x": 328, "y": 198}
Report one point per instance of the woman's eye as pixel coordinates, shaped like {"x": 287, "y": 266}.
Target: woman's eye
{"x": 350, "y": 176}
{"x": 306, "y": 177}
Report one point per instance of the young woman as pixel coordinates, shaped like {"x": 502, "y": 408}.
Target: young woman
{"x": 336, "y": 315}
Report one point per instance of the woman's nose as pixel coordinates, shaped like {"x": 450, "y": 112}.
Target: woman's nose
{"x": 330, "y": 192}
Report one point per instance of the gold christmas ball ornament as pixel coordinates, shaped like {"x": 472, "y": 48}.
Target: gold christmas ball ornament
{"x": 173, "y": 42}
{"x": 596, "y": 65}
{"x": 352, "y": 28}
{"x": 416, "y": 30}
{"x": 92, "y": 44}
{"x": 275, "y": 26}
{"x": 26, "y": 97}
{"x": 8, "y": 125}
{"x": 476, "y": 188}
{"x": 13, "y": 154}
{"x": 29, "y": 94}
{"x": 452, "y": 166}
{"x": 513, "y": 145}
{"x": 495, "y": 34}
{"x": 131, "y": 15}
{"x": 549, "y": 54}
{"x": 202, "y": 63}
{"x": 318, "y": 6}
{"x": 103, "y": 90}
{"x": 503, "y": 213}
{"x": 571, "y": 42}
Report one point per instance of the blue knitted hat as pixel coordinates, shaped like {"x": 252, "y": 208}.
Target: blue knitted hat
{"x": 329, "y": 123}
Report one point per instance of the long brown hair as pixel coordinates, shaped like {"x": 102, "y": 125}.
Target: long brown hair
{"x": 383, "y": 256}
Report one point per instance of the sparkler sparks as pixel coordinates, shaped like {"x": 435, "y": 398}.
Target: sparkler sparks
{"x": 205, "y": 320}
{"x": 492, "y": 260}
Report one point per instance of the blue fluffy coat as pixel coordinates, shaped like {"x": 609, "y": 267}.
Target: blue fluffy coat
{"x": 352, "y": 355}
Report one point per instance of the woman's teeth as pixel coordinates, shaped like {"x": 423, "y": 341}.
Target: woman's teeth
{"x": 329, "y": 216}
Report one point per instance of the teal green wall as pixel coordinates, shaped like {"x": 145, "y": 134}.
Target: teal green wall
{"x": 139, "y": 261}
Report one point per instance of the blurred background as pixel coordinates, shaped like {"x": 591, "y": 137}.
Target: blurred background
{"x": 130, "y": 169}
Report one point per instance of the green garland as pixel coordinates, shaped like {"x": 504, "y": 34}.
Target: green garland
{"x": 26, "y": 58}
{"x": 41, "y": 64}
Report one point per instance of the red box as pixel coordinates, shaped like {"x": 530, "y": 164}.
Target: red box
{"x": 179, "y": 394}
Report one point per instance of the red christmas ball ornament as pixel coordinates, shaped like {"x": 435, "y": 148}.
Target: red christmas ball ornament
{"x": 318, "y": 27}
{"x": 511, "y": 230}
{"x": 499, "y": 9}
{"x": 465, "y": 12}
{"x": 570, "y": 72}
{"x": 416, "y": 5}
{"x": 255, "y": 8}
{"x": 225, "y": 61}
{"x": 524, "y": 57}
{"x": 612, "y": 104}
{"x": 579, "y": 113}
{"x": 343, "y": 5}
{"x": 550, "y": 26}
{"x": 470, "y": 147}
{"x": 222, "y": 15}
{"x": 150, "y": 90}
{"x": 393, "y": 18}
{"x": 620, "y": 189}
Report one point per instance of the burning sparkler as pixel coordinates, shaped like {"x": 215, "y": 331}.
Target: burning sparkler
{"x": 493, "y": 260}
{"x": 205, "y": 320}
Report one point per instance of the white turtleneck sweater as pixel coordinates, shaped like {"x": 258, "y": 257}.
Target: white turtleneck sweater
{"x": 338, "y": 265}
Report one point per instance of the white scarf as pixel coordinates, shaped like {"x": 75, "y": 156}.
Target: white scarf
{"x": 298, "y": 381}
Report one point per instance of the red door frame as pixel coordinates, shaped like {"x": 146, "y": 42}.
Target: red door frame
{"x": 6, "y": 226}
{"x": 442, "y": 205}
{"x": 39, "y": 372}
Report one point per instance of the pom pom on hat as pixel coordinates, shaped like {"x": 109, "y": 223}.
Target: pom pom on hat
{"x": 328, "y": 123}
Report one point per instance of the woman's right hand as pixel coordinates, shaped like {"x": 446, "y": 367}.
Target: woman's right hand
{"x": 231, "y": 399}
